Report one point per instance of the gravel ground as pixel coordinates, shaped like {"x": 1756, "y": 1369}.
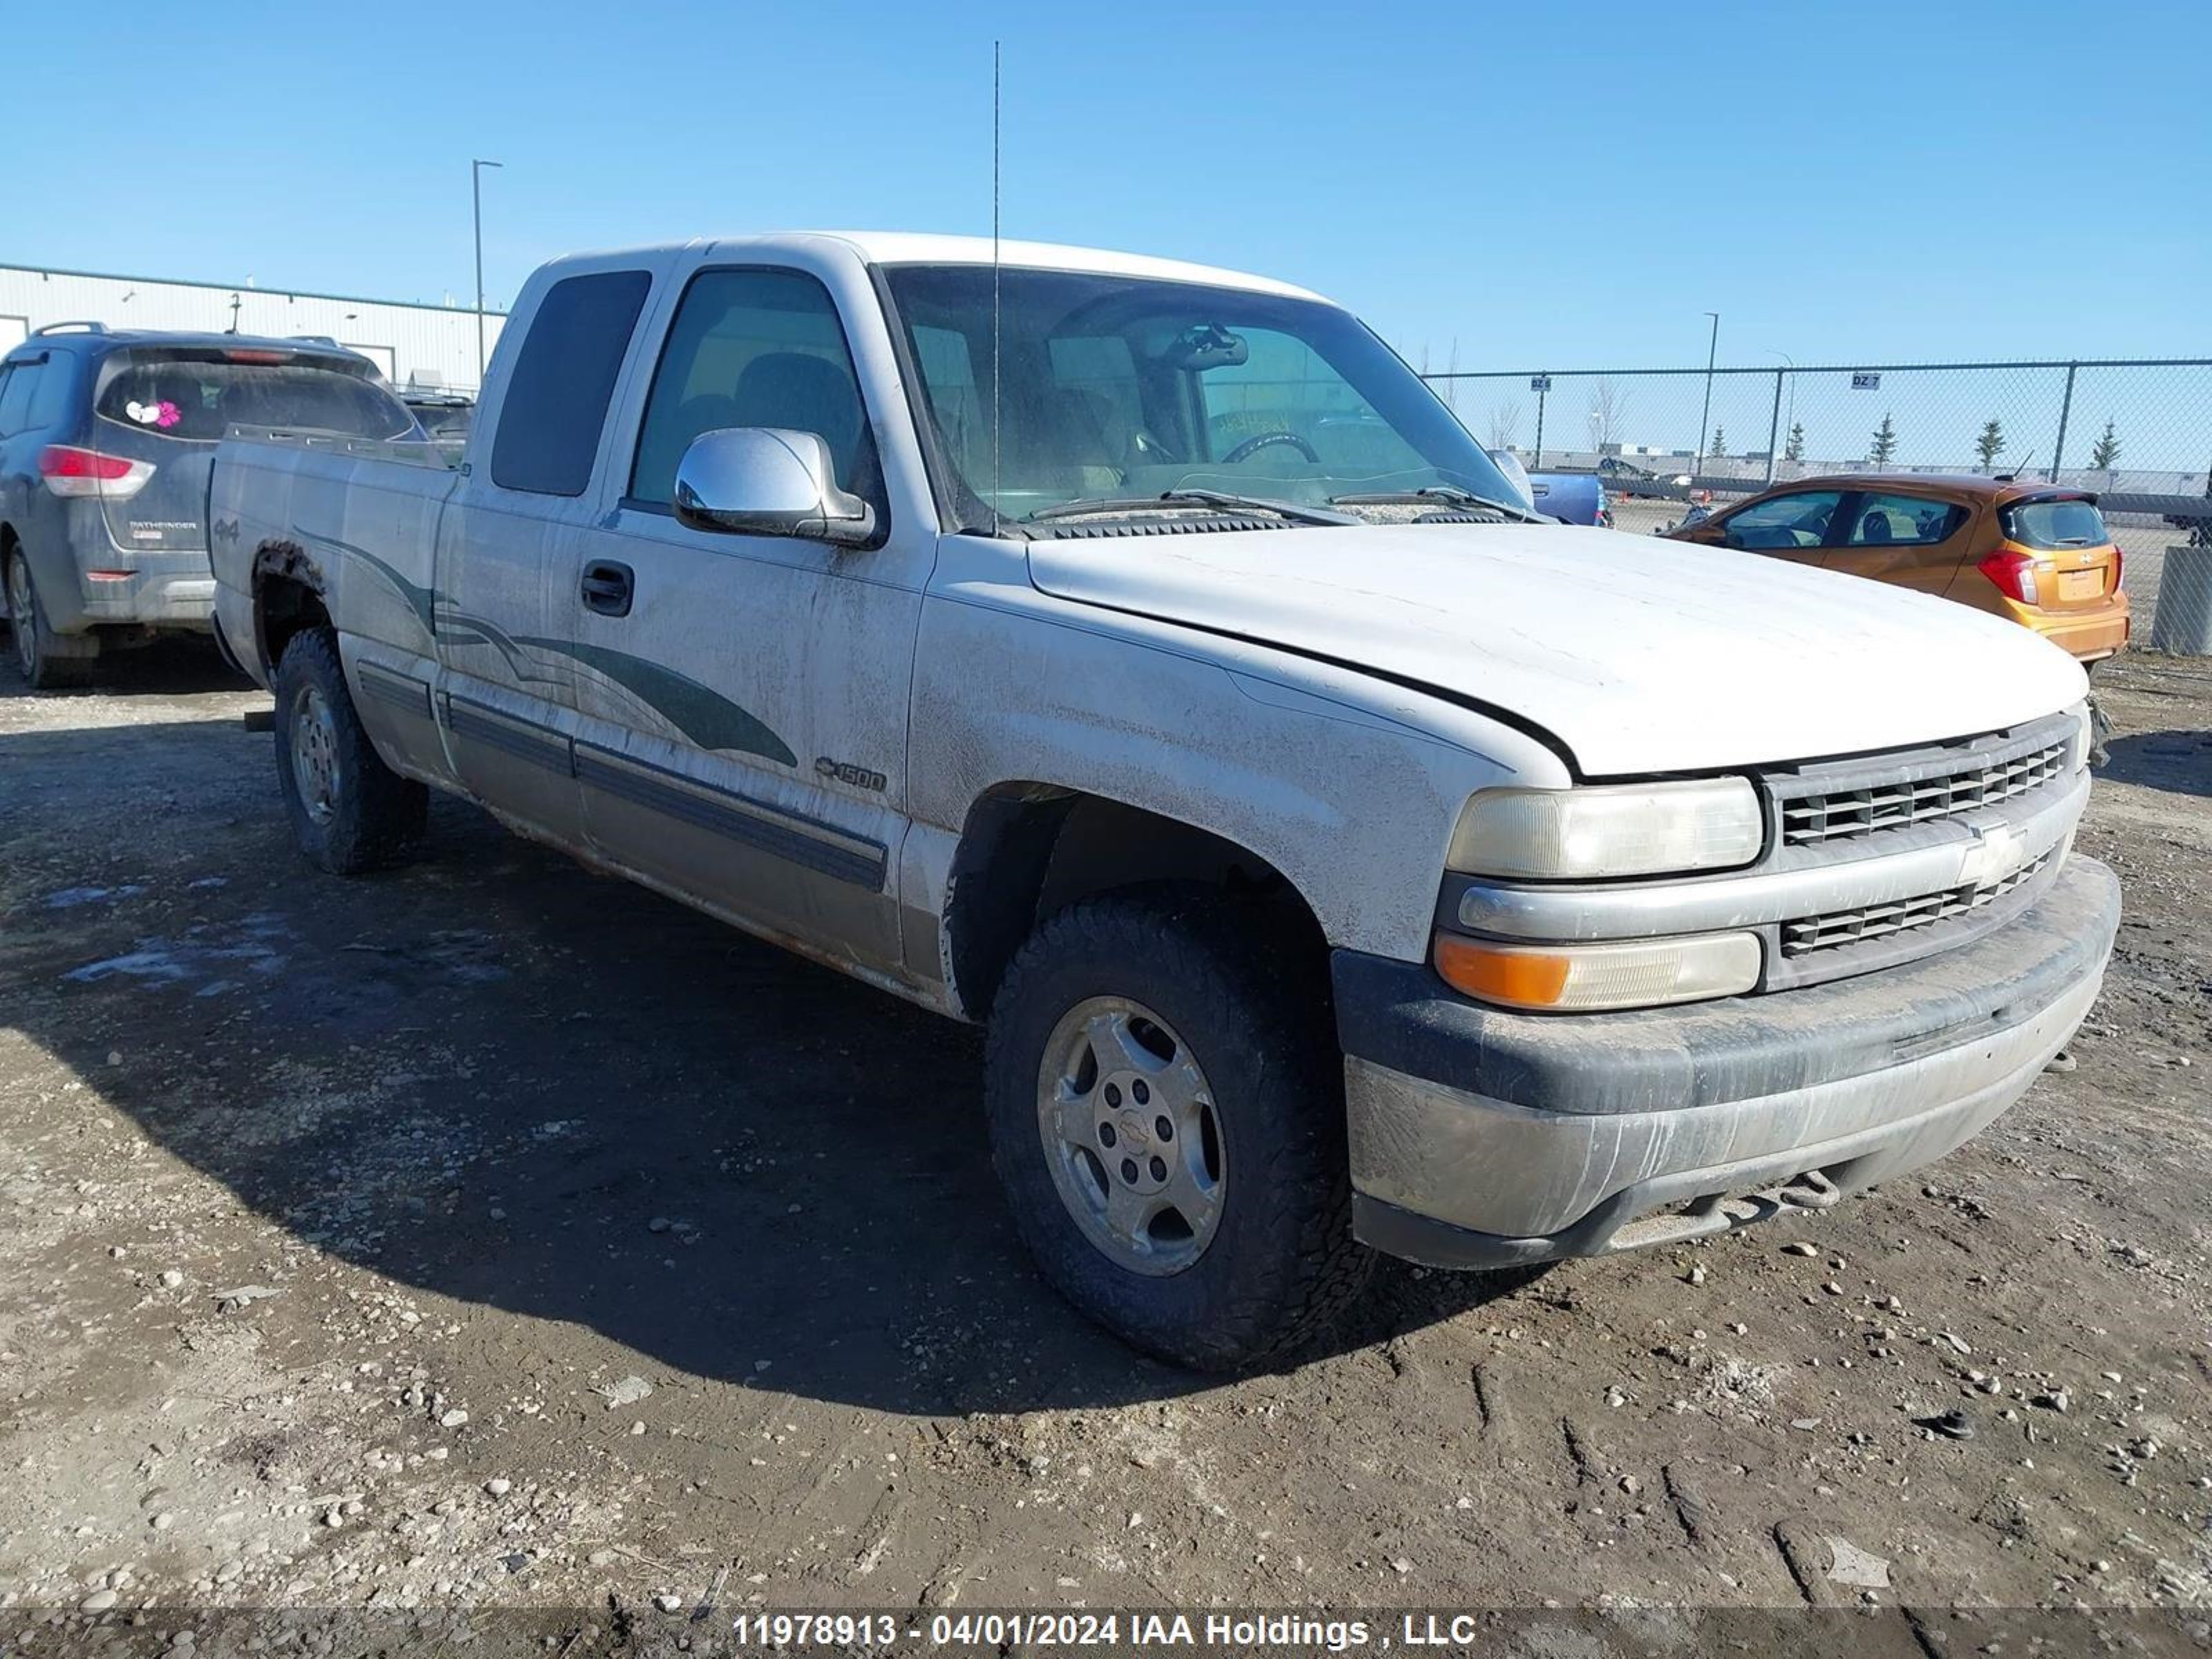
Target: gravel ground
{"x": 491, "y": 1232}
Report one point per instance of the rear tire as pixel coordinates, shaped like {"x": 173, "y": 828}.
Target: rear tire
{"x": 1225, "y": 1243}
{"x": 27, "y": 620}
{"x": 350, "y": 811}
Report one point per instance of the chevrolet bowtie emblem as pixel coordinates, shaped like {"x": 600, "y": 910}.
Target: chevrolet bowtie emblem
{"x": 1997, "y": 851}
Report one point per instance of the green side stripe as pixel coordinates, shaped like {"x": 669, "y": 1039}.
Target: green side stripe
{"x": 420, "y": 600}
{"x": 699, "y": 711}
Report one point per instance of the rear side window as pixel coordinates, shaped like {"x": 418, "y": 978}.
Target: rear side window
{"x": 17, "y": 382}
{"x": 198, "y": 396}
{"x": 1904, "y": 521}
{"x": 556, "y": 400}
{"x": 50, "y": 393}
{"x": 2048, "y": 524}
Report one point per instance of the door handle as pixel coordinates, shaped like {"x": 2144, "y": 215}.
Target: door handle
{"x": 608, "y": 587}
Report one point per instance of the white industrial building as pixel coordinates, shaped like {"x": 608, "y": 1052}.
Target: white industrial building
{"x": 428, "y": 345}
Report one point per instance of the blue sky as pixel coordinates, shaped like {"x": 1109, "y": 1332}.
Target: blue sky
{"x": 1564, "y": 185}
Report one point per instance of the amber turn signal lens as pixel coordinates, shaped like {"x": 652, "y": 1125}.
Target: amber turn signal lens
{"x": 1519, "y": 979}
{"x": 1613, "y": 973}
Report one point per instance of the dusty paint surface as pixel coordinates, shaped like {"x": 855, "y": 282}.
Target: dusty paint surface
{"x": 501, "y": 1136}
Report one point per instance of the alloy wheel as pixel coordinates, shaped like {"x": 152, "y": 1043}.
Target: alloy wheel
{"x": 1131, "y": 1135}
{"x": 315, "y": 769}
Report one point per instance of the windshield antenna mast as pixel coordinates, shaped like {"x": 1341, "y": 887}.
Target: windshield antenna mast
{"x": 996, "y": 482}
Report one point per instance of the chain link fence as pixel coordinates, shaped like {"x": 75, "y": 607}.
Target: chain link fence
{"x": 2138, "y": 432}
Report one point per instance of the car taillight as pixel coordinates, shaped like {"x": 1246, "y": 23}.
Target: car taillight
{"x": 69, "y": 471}
{"x": 2014, "y": 572}
{"x": 2119, "y": 565}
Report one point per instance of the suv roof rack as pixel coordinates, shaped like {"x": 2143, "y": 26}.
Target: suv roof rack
{"x": 83, "y": 325}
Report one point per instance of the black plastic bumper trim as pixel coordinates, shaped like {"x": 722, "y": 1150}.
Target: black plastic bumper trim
{"x": 784, "y": 841}
{"x": 1399, "y": 1015}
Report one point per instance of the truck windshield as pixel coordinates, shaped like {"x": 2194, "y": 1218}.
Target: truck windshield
{"x": 197, "y": 394}
{"x": 1125, "y": 387}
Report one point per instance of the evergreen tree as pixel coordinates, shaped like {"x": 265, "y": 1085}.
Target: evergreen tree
{"x": 1795, "y": 449}
{"x": 1718, "y": 448}
{"x": 2105, "y": 455}
{"x": 1992, "y": 443}
{"x": 1885, "y": 442}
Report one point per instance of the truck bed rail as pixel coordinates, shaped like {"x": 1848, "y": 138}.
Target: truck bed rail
{"x": 413, "y": 451}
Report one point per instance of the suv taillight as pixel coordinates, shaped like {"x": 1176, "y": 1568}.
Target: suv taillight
{"x": 2014, "y": 572}
{"x": 68, "y": 471}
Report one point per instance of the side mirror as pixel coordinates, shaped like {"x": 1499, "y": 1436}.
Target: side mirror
{"x": 768, "y": 481}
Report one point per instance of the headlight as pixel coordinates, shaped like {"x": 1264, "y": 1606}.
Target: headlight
{"x": 1614, "y": 829}
{"x": 1589, "y": 978}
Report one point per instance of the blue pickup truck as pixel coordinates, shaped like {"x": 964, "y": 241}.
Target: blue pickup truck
{"x": 1573, "y": 497}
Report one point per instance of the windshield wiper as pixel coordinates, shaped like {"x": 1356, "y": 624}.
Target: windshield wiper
{"x": 1451, "y": 493}
{"x": 1221, "y": 499}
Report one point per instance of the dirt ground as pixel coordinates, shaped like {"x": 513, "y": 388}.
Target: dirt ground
{"x": 490, "y": 1233}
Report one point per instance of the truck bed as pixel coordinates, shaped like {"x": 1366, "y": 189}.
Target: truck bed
{"x": 325, "y": 497}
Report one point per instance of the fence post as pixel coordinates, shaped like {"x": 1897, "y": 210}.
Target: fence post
{"x": 1543, "y": 391}
{"x": 2065, "y": 408}
{"x": 1774, "y": 427}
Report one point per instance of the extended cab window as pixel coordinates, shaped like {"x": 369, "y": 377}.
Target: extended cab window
{"x": 555, "y": 405}
{"x": 754, "y": 348}
{"x": 1904, "y": 521}
{"x": 1786, "y": 521}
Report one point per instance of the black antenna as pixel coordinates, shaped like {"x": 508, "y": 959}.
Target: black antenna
{"x": 995, "y": 479}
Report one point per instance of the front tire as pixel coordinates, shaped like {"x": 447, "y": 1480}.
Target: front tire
{"x": 350, "y": 811}
{"x": 1166, "y": 1115}
{"x": 34, "y": 647}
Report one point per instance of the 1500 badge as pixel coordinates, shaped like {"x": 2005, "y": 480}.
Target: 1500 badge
{"x": 845, "y": 772}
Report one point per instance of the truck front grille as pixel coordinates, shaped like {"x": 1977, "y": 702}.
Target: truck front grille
{"x": 1809, "y": 820}
{"x": 1838, "y": 927}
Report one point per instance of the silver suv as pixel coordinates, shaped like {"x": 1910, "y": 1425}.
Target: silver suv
{"x": 104, "y": 443}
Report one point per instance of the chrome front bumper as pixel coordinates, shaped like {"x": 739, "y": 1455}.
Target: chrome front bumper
{"x": 1481, "y": 1137}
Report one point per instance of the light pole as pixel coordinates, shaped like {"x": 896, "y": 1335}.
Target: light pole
{"x": 1712, "y": 350}
{"x": 476, "y": 194}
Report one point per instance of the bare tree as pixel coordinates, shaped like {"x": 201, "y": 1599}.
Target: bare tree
{"x": 1504, "y": 423}
{"x": 1609, "y": 409}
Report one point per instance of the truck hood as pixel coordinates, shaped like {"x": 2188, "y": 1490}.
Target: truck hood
{"x": 1640, "y": 654}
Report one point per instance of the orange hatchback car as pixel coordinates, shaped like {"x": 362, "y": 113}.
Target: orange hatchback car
{"x": 2037, "y": 555}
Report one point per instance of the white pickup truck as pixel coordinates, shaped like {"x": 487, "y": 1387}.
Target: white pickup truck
{"x": 1138, "y": 658}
